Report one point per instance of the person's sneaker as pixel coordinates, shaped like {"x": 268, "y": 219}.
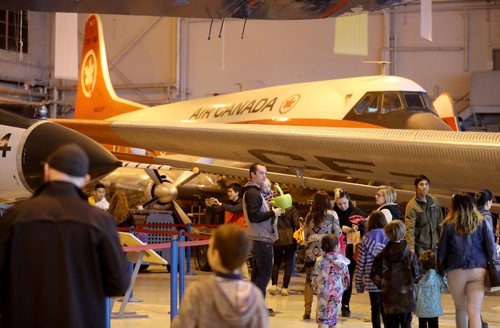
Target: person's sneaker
{"x": 273, "y": 289}
{"x": 346, "y": 312}
{"x": 306, "y": 316}
{"x": 271, "y": 312}
{"x": 284, "y": 292}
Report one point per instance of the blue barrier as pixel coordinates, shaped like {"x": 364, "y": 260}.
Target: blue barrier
{"x": 174, "y": 251}
{"x": 178, "y": 272}
{"x": 182, "y": 262}
{"x": 108, "y": 313}
{"x": 188, "y": 251}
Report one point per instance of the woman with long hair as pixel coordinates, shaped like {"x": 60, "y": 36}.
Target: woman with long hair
{"x": 465, "y": 247}
{"x": 351, "y": 221}
{"x": 320, "y": 221}
{"x": 119, "y": 208}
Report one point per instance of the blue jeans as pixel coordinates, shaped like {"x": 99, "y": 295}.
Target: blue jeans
{"x": 262, "y": 264}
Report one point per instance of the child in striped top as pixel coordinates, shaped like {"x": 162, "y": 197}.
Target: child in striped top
{"x": 371, "y": 244}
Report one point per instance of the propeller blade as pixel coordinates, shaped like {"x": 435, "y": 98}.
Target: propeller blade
{"x": 185, "y": 177}
{"x": 154, "y": 175}
{"x": 149, "y": 202}
{"x": 182, "y": 215}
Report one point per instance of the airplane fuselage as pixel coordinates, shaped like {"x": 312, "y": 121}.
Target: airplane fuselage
{"x": 363, "y": 102}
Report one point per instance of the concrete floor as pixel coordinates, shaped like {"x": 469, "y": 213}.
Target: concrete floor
{"x": 152, "y": 288}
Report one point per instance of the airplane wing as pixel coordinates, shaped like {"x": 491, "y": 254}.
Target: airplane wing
{"x": 282, "y": 178}
{"x": 466, "y": 161}
{"x": 241, "y": 171}
{"x": 217, "y": 9}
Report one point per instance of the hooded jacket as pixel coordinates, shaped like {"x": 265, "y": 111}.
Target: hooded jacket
{"x": 372, "y": 243}
{"x": 429, "y": 289}
{"x": 258, "y": 215}
{"x": 330, "y": 278}
{"x": 222, "y": 303}
{"x": 395, "y": 270}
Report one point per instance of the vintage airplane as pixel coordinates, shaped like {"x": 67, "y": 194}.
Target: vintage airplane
{"x": 216, "y": 9}
{"x": 378, "y": 129}
{"x": 26, "y": 143}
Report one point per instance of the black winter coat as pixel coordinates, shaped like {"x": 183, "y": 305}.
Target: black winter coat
{"x": 59, "y": 259}
{"x": 395, "y": 270}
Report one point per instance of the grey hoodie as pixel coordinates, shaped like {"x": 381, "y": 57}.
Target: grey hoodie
{"x": 221, "y": 302}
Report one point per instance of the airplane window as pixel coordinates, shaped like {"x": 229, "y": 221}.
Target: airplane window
{"x": 414, "y": 101}
{"x": 372, "y": 106}
{"x": 428, "y": 103}
{"x": 391, "y": 103}
{"x": 361, "y": 105}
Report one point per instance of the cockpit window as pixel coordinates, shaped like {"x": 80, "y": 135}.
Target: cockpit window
{"x": 361, "y": 105}
{"x": 391, "y": 103}
{"x": 414, "y": 100}
{"x": 372, "y": 106}
{"x": 428, "y": 103}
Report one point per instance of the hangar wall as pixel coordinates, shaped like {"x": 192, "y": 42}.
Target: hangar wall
{"x": 36, "y": 65}
{"x": 284, "y": 52}
{"x": 273, "y": 53}
{"x": 144, "y": 56}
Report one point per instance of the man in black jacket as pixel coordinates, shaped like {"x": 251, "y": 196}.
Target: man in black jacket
{"x": 260, "y": 227}
{"x": 59, "y": 256}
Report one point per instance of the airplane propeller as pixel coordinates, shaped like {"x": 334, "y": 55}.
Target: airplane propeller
{"x": 163, "y": 190}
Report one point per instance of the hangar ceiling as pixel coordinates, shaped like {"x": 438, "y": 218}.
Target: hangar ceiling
{"x": 216, "y": 9}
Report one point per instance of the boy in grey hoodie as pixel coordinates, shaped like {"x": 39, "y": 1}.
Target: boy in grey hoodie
{"x": 225, "y": 299}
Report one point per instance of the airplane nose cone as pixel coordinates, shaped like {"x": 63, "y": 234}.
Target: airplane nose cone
{"x": 166, "y": 192}
{"x": 46, "y": 137}
{"x": 426, "y": 121}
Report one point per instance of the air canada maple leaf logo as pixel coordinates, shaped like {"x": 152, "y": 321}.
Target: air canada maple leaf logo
{"x": 89, "y": 73}
{"x": 289, "y": 103}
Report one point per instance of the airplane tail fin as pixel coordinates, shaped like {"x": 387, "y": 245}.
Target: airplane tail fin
{"x": 96, "y": 98}
{"x": 446, "y": 111}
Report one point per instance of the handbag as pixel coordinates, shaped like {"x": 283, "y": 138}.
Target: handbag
{"x": 493, "y": 267}
{"x": 493, "y": 274}
{"x": 298, "y": 235}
